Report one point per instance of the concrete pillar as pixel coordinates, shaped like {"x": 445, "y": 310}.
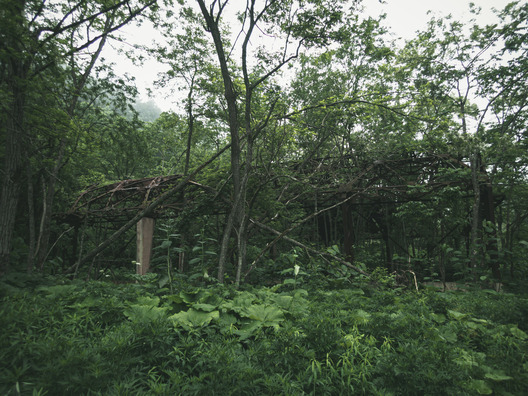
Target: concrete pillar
{"x": 145, "y": 231}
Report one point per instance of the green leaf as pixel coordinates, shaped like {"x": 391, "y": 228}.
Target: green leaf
{"x": 144, "y": 313}
{"x": 163, "y": 281}
{"x": 192, "y": 318}
{"x": 481, "y": 387}
{"x": 356, "y": 292}
{"x": 361, "y": 316}
{"x": 448, "y": 335}
{"x": 204, "y": 307}
{"x": 57, "y": 290}
{"x": 150, "y": 301}
{"x": 456, "y": 315}
{"x": 516, "y": 332}
{"x": 473, "y": 325}
{"x": 498, "y": 376}
{"x": 89, "y": 302}
{"x": 438, "y": 318}
{"x": 190, "y": 297}
{"x": 166, "y": 244}
{"x": 282, "y": 301}
{"x": 248, "y": 329}
{"x": 300, "y": 293}
{"x": 269, "y": 315}
{"x": 226, "y": 321}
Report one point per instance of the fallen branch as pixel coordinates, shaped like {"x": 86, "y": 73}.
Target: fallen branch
{"x": 281, "y": 235}
{"x": 297, "y": 243}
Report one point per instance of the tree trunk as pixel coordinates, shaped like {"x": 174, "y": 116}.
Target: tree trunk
{"x": 348, "y": 233}
{"x": 488, "y": 213}
{"x": 47, "y": 207}
{"x": 232, "y": 110}
{"x": 31, "y": 218}
{"x": 475, "y": 221}
{"x": 13, "y": 165}
{"x": 49, "y": 197}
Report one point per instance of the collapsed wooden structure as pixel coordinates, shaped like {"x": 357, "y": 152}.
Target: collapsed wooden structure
{"x": 120, "y": 201}
{"x": 340, "y": 182}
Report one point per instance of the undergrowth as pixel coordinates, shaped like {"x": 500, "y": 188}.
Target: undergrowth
{"x": 62, "y": 338}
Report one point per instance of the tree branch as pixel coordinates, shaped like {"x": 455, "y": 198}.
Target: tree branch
{"x": 311, "y": 216}
{"x": 297, "y": 243}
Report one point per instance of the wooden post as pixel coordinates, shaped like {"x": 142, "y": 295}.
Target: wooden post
{"x": 145, "y": 231}
{"x": 348, "y": 232}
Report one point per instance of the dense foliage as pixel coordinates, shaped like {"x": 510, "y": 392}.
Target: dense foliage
{"x": 315, "y": 185}
{"x": 293, "y": 338}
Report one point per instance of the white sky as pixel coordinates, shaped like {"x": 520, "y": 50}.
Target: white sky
{"x": 404, "y": 18}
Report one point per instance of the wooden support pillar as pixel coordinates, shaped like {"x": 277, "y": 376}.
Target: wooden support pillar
{"x": 348, "y": 232}
{"x": 145, "y": 231}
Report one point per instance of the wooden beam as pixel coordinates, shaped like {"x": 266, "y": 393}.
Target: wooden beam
{"x": 145, "y": 232}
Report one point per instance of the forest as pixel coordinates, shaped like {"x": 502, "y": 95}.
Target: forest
{"x": 327, "y": 210}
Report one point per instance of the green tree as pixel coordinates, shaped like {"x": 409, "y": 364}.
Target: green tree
{"x": 296, "y": 26}
{"x": 468, "y": 82}
{"x": 36, "y": 38}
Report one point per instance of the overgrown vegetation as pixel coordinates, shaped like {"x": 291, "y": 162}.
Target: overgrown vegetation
{"x": 310, "y": 199}
{"x": 63, "y": 337}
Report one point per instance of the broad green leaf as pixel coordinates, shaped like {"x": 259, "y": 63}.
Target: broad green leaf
{"x": 300, "y": 293}
{"x": 192, "y": 318}
{"x": 144, "y": 313}
{"x": 239, "y": 303}
{"x": 150, "y": 301}
{"x": 498, "y": 376}
{"x": 438, "y": 318}
{"x": 204, "y": 307}
{"x": 191, "y": 297}
{"x": 269, "y": 315}
{"x": 226, "y": 321}
{"x": 248, "y": 329}
{"x": 481, "y": 387}
{"x": 166, "y": 244}
{"x": 356, "y": 292}
{"x": 448, "y": 335}
{"x": 89, "y": 302}
{"x": 516, "y": 332}
{"x": 456, "y": 315}
{"x": 473, "y": 325}
{"x": 163, "y": 281}
{"x": 282, "y": 301}
{"x": 477, "y": 320}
